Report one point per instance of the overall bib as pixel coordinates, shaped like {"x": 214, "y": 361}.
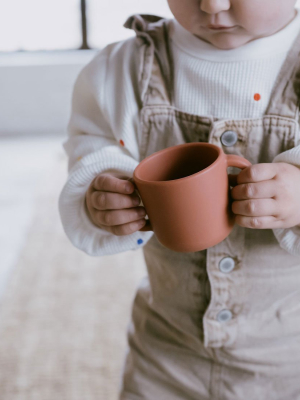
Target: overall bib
{"x": 222, "y": 323}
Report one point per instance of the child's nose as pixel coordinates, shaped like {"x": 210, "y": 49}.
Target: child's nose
{"x": 214, "y": 6}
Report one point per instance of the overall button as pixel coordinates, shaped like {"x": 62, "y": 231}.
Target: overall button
{"x": 224, "y": 316}
{"x": 226, "y": 264}
{"x": 229, "y": 138}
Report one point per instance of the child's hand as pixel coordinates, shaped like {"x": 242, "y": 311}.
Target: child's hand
{"x": 112, "y": 207}
{"x": 268, "y": 196}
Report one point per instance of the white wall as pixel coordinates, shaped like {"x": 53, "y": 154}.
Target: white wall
{"x": 36, "y": 89}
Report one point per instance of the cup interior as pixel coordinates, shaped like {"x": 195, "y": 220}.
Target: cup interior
{"x": 177, "y": 162}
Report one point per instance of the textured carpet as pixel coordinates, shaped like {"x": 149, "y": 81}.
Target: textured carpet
{"x": 64, "y": 314}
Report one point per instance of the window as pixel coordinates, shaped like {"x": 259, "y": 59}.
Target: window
{"x": 40, "y": 25}
{"x": 106, "y": 18}
{"x": 30, "y": 25}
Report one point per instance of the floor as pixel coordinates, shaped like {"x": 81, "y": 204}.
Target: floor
{"x": 63, "y": 314}
{"x": 24, "y": 162}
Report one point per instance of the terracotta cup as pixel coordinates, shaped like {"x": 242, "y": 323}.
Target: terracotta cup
{"x": 186, "y": 194}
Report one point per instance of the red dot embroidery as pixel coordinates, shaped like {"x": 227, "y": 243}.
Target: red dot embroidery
{"x": 257, "y": 96}
{"x": 122, "y": 143}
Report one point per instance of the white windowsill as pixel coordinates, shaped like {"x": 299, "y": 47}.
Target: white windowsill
{"x": 36, "y": 90}
{"x": 62, "y": 57}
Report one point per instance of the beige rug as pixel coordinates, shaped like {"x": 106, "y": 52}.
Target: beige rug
{"x": 64, "y": 314}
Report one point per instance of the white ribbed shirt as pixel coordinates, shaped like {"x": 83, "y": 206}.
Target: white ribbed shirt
{"x": 207, "y": 81}
{"x": 222, "y": 83}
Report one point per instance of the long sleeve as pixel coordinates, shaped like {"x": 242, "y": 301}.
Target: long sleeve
{"x": 102, "y": 136}
{"x": 289, "y": 239}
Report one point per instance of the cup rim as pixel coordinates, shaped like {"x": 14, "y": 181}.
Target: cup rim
{"x": 174, "y": 181}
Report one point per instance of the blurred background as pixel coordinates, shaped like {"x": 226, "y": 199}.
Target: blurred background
{"x": 63, "y": 314}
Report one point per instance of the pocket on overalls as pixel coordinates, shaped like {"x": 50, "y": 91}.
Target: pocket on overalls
{"x": 165, "y": 126}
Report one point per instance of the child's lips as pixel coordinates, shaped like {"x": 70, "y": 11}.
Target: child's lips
{"x": 210, "y": 27}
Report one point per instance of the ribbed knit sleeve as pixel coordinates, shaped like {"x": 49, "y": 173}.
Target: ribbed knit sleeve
{"x": 102, "y": 137}
{"x": 289, "y": 239}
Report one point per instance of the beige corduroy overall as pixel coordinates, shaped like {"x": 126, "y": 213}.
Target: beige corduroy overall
{"x": 223, "y": 323}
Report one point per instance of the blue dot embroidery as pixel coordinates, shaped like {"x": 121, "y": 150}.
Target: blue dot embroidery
{"x": 140, "y": 241}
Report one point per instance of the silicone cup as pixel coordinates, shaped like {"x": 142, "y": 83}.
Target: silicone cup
{"x": 232, "y": 161}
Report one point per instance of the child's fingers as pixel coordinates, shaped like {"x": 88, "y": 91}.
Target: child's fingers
{"x": 113, "y": 201}
{"x": 119, "y": 217}
{"x": 127, "y": 229}
{"x": 109, "y": 183}
{"x": 133, "y": 183}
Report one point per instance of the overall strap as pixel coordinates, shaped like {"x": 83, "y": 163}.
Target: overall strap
{"x": 155, "y": 58}
{"x": 285, "y": 97}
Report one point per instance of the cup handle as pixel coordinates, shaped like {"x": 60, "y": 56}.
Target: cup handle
{"x": 236, "y": 161}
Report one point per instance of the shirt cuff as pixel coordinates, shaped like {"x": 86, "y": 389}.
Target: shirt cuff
{"x": 78, "y": 227}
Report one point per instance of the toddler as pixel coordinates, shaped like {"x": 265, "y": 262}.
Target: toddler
{"x": 222, "y": 323}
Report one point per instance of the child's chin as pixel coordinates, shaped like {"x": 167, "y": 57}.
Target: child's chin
{"x": 226, "y": 43}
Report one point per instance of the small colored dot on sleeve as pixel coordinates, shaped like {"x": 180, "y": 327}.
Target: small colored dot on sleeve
{"x": 140, "y": 241}
{"x": 79, "y": 158}
{"x": 257, "y": 97}
{"x": 122, "y": 143}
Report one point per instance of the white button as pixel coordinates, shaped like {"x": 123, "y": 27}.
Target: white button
{"x": 229, "y": 138}
{"x": 224, "y": 316}
{"x": 226, "y": 264}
